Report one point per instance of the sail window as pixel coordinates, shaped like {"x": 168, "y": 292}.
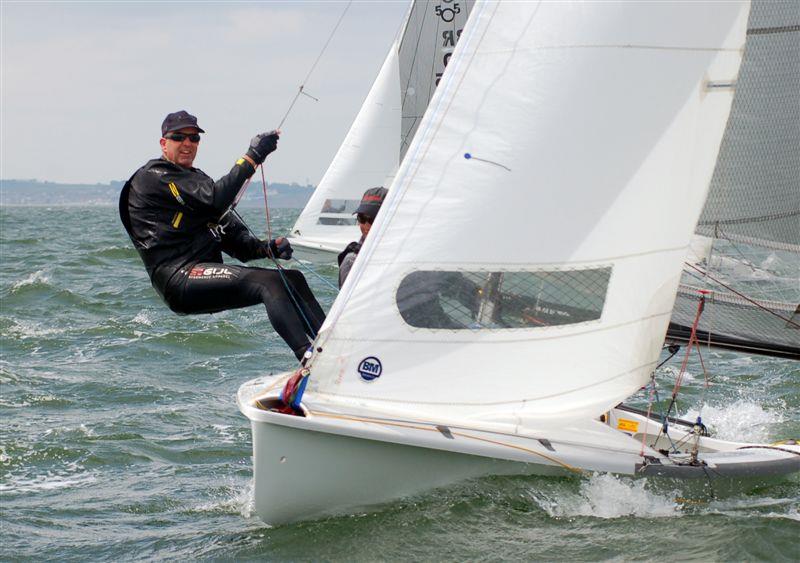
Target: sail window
{"x": 338, "y": 212}
{"x": 502, "y": 299}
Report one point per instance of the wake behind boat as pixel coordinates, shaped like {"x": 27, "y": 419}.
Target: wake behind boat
{"x": 448, "y": 355}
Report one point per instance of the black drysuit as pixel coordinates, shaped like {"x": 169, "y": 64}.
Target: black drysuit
{"x": 172, "y": 216}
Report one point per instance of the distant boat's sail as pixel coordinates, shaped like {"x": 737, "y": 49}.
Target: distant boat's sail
{"x": 526, "y": 260}
{"x": 428, "y": 42}
{"x": 752, "y": 269}
{"x": 385, "y": 125}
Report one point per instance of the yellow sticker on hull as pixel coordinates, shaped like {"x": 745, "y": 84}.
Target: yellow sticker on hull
{"x": 627, "y": 425}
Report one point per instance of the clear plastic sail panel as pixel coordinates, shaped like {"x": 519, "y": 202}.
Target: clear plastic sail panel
{"x": 544, "y": 206}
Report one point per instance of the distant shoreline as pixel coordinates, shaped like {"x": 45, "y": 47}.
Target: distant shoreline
{"x": 36, "y": 193}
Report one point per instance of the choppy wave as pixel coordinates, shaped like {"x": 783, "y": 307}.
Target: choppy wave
{"x": 741, "y": 421}
{"x": 37, "y": 278}
{"x": 120, "y": 436}
{"x": 608, "y": 496}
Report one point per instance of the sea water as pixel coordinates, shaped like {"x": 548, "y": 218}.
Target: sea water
{"x": 121, "y": 439}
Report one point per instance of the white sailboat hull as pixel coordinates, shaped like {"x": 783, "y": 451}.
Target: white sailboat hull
{"x": 302, "y": 473}
{"x": 322, "y": 463}
{"x": 317, "y": 251}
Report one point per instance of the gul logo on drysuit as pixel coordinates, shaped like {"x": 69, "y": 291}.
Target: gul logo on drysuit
{"x": 370, "y": 368}
{"x": 215, "y": 273}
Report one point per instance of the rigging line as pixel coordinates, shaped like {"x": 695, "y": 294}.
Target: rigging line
{"x": 718, "y": 230}
{"x": 316, "y": 274}
{"x": 266, "y": 204}
{"x": 313, "y": 66}
{"x": 719, "y": 233}
{"x": 743, "y": 296}
{"x": 280, "y": 269}
{"x": 678, "y": 380}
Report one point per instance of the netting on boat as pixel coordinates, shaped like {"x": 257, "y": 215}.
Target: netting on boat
{"x": 502, "y": 299}
{"x": 755, "y": 191}
{"x": 753, "y": 299}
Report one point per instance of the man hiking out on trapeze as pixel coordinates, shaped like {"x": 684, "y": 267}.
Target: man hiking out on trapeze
{"x": 180, "y": 222}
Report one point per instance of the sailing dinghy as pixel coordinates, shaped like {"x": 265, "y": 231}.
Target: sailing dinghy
{"x": 588, "y": 132}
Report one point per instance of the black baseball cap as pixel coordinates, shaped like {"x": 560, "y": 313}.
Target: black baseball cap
{"x": 179, "y": 120}
{"x": 371, "y": 201}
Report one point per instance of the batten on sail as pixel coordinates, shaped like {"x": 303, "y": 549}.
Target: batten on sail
{"x": 753, "y": 207}
{"x": 574, "y": 130}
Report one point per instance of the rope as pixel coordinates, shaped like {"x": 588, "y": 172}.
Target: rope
{"x": 679, "y": 380}
{"x": 653, "y": 395}
{"x": 266, "y": 204}
{"x": 310, "y": 270}
{"x": 286, "y": 283}
{"x": 302, "y": 84}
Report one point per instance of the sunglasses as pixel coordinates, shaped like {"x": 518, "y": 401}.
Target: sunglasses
{"x": 361, "y": 218}
{"x": 180, "y": 137}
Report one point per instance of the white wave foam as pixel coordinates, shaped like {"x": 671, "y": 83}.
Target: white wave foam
{"x": 47, "y": 483}
{"x": 750, "y": 507}
{"x": 143, "y": 317}
{"x": 742, "y": 421}
{"x": 793, "y": 514}
{"x": 70, "y": 476}
{"x": 236, "y": 500}
{"x": 673, "y": 372}
{"x": 36, "y": 277}
{"x": 608, "y": 496}
{"x": 226, "y": 433}
{"x": 81, "y": 431}
{"x": 26, "y": 329}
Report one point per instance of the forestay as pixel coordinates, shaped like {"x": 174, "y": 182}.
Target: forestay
{"x": 386, "y": 122}
{"x": 527, "y": 257}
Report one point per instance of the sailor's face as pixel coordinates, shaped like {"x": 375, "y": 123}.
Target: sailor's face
{"x": 364, "y": 224}
{"x": 180, "y": 150}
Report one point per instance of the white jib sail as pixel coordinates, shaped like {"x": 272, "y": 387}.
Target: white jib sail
{"x": 525, "y": 263}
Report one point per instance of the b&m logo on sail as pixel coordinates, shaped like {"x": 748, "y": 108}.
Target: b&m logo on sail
{"x": 370, "y": 368}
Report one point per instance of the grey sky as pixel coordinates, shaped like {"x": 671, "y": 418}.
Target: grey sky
{"x": 85, "y": 85}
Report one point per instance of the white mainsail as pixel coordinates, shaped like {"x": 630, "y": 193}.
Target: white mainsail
{"x": 384, "y": 126}
{"x": 526, "y": 260}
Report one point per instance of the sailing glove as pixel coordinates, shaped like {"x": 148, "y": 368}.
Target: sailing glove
{"x": 262, "y": 145}
{"x": 278, "y": 248}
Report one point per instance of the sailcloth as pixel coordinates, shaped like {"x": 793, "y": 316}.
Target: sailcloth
{"x": 385, "y": 124}
{"x": 526, "y": 260}
{"x": 753, "y": 207}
